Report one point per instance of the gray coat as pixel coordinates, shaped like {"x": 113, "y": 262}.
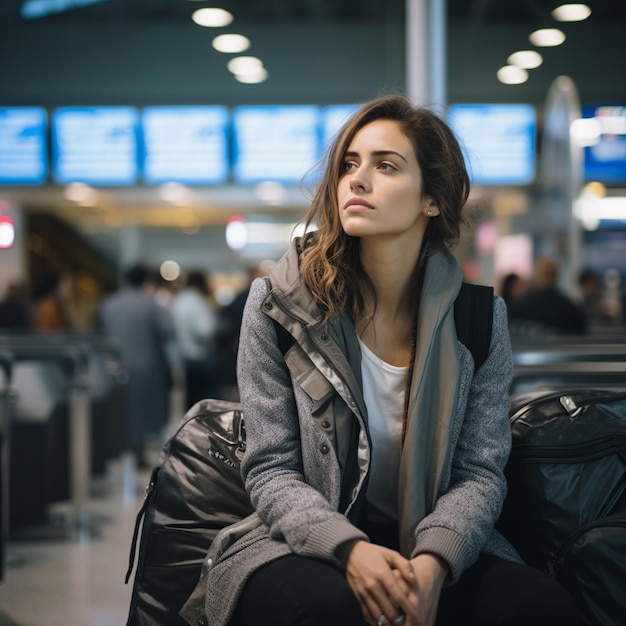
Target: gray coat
{"x": 308, "y": 447}
{"x": 142, "y": 329}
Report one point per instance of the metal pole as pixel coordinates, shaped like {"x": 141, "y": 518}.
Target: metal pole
{"x": 426, "y": 51}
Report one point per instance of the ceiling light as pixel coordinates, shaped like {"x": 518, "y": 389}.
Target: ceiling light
{"x": 169, "y": 270}
{"x": 512, "y": 75}
{"x": 257, "y": 77}
{"x": 546, "y": 37}
{"x": 7, "y": 232}
{"x": 571, "y": 13}
{"x": 236, "y": 233}
{"x": 270, "y": 192}
{"x": 80, "y": 192}
{"x": 528, "y": 59}
{"x": 245, "y": 65}
{"x": 594, "y": 189}
{"x": 231, "y": 43}
{"x": 175, "y": 193}
{"x": 212, "y": 18}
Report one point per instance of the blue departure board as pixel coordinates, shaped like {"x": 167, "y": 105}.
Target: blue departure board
{"x": 278, "y": 143}
{"x": 23, "y": 145}
{"x": 498, "y": 141}
{"x": 605, "y": 161}
{"x": 186, "y": 144}
{"x": 95, "y": 145}
{"x": 333, "y": 119}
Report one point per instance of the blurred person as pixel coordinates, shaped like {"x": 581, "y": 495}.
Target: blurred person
{"x": 142, "y": 329}
{"x": 544, "y": 309}
{"x": 195, "y": 324}
{"x": 612, "y": 298}
{"x": 15, "y": 313}
{"x": 52, "y": 312}
{"x": 162, "y": 292}
{"x": 512, "y": 287}
{"x": 590, "y": 284}
{"x": 227, "y": 336}
{"x": 375, "y": 452}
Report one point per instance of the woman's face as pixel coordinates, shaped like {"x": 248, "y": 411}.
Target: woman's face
{"x": 380, "y": 192}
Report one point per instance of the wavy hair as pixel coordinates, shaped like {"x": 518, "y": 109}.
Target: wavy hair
{"x": 331, "y": 266}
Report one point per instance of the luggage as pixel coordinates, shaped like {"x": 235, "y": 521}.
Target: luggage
{"x": 194, "y": 490}
{"x": 567, "y": 486}
{"x": 592, "y": 565}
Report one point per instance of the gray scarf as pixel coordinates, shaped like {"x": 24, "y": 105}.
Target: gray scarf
{"x": 433, "y": 396}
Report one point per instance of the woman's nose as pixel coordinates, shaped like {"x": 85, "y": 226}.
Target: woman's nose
{"x": 359, "y": 181}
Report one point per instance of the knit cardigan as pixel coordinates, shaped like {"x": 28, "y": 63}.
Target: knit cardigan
{"x": 308, "y": 447}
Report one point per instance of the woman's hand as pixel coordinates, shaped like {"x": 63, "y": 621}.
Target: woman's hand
{"x": 423, "y": 592}
{"x": 383, "y": 582}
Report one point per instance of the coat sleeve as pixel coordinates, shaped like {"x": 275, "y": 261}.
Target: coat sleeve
{"x": 272, "y": 467}
{"x": 465, "y": 513}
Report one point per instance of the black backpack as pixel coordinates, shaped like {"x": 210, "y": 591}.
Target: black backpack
{"x": 195, "y": 488}
{"x": 566, "y": 507}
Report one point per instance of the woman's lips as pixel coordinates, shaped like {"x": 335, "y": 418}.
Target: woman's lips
{"x": 356, "y": 205}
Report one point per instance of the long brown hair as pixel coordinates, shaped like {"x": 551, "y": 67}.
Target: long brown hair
{"x": 331, "y": 266}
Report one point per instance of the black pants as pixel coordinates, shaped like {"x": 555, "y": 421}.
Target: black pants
{"x": 295, "y": 590}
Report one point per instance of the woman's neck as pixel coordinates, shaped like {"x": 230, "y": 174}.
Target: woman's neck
{"x": 391, "y": 270}
{"x": 388, "y": 331}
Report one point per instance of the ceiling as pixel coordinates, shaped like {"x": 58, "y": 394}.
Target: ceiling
{"x": 471, "y": 24}
{"x": 327, "y": 11}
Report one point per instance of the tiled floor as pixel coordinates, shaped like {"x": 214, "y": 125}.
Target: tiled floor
{"x": 78, "y": 581}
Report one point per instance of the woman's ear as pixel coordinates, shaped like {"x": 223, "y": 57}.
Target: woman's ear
{"x": 430, "y": 207}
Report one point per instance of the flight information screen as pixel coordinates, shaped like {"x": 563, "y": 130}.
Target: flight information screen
{"x": 605, "y": 160}
{"x": 279, "y": 143}
{"x": 333, "y": 118}
{"x": 23, "y": 145}
{"x": 498, "y": 141}
{"x": 95, "y": 145}
{"x": 186, "y": 144}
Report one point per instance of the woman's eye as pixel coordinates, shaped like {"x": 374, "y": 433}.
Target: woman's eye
{"x": 386, "y": 166}
{"x": 348, "y": 165}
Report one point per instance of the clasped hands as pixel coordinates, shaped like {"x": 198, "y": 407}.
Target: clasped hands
{"x": 392, "y": 589}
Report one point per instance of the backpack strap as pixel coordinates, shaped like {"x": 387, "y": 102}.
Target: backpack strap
{"x": 473, "y": 318}
{"x": 285, "y": 340}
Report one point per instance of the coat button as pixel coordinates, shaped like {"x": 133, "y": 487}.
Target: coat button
{"x": 324, "y": 336}
{"x": 324, "y": 449}
{"x": 268, "y": 305}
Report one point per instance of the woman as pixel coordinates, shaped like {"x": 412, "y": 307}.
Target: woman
{"x": 51, "y": 306}
{"x": 375, "y": 453}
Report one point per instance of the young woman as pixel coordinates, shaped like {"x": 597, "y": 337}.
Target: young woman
{"x": 375, "y": 452}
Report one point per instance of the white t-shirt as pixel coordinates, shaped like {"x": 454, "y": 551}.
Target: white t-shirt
{"x": 383, "y": 392}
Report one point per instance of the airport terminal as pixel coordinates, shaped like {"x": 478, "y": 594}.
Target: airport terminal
{"x": 158, "y": 156}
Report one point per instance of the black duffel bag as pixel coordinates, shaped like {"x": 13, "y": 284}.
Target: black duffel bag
{"x": 567, "y": 477}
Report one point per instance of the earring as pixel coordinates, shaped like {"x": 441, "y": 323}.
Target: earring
{"x": 429, "y": 213}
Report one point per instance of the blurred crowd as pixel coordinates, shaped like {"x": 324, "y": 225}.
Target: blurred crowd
{"x": 538, "y": 307}
{"x": 177, "y": 334}
{"x": 170, "y": 334}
